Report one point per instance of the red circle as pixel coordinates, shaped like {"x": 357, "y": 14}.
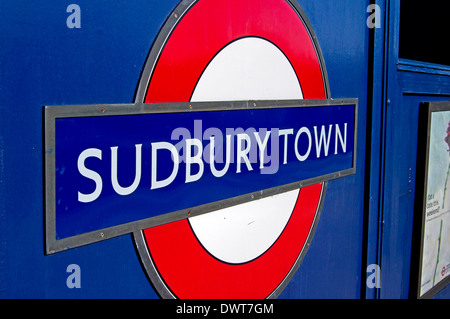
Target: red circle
{"x": 190, "y": 272}
{"x": 187, "y": 270}
{"x": 210, "y": 25}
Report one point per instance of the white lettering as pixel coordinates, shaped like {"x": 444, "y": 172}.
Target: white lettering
{"x": 319, "y": 141}
{"x": 285, "y": 133}
{"x": 262, "y": 147}
{"x": 181, "y": 134}
{"x": 196, "y": 155}
{"x": 193, "y": 309}
{"x": 342, "y": 141}
{"x": 242, "y": 154}
{"x": 212, "y": 148}
{"x": 137, "y": 177}
{"x": 215, "y": 133}
{"x": 160, "y": 146}
{"x": 302, "y": 158}
{"x": 90, "y": 152}
{"x": 194, "y": 159}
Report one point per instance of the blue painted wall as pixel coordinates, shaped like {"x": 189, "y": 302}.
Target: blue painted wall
{"x": 42, "y": 62}
{"x": 330, "y": 269}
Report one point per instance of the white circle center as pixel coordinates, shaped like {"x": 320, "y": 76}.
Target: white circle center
{"x": 250, "y": 68}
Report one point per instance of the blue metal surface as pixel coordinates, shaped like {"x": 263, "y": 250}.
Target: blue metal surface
{"x": 42, "y": 62}
{"x": 49, "y": 64}
{"x": 45, "y": 63}
{"x": 330, "y": 269}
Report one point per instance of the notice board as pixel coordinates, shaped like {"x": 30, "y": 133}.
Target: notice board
{"x": 434, "y": 268}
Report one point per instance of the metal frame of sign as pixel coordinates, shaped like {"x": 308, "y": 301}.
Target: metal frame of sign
{"x": 51, "y": 113}
{"x": 422, "y": 194}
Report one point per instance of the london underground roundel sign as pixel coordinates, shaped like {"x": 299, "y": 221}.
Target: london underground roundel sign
{"x": 220, "y": 166}
{"x": 223, "y": 51}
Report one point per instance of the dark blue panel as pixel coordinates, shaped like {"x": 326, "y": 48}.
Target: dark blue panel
{"x": 332, "y": 268}
{"x": 45, "y": 63}
{"x": 407, "y": 84}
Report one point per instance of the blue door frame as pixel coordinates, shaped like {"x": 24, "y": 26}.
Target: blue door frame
{"x": 399, "y": 86}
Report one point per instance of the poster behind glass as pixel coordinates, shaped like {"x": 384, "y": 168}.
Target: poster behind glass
{"x": 435, "y": 245}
